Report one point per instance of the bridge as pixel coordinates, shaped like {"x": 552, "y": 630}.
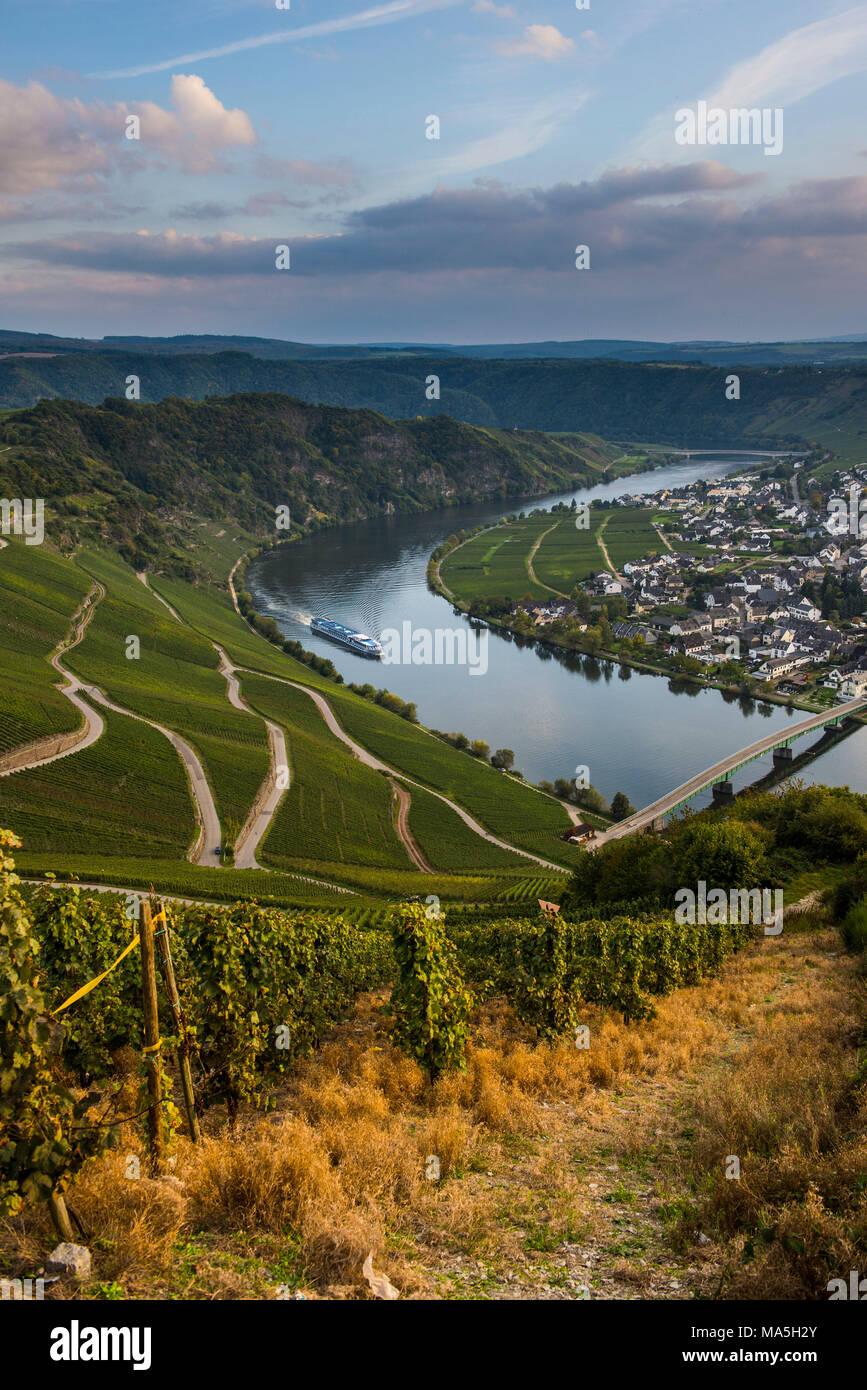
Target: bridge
{"x": 719, "y": 776}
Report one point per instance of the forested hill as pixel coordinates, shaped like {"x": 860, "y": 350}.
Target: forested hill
{"x": 677, "y": 404}
{"x": 133, "y": 472}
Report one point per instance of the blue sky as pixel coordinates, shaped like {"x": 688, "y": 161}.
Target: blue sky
{"x": 261, "y": 126}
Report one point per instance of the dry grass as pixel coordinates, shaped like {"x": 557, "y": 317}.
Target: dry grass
{"x": 552, "y": 1158}
{"x": 792, "y": 1105}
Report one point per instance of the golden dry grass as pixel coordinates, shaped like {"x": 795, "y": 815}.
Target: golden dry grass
{"x": 559, "y": 1167}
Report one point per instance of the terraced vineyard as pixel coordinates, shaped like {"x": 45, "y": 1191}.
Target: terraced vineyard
{"x": 450, "y": 845}
{"x": 509, "y": 810}
{"x": 175, "y": 682}
{"x": 39, "y": 593}
{"x": 336, "y": 812}
{"x": 135, "y": 815}
{"x": 186, "y": 880}
{"x": 129, "y": 792}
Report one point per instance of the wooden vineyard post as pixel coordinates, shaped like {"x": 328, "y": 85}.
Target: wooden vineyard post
{"x": 165, "y": 954}
{"x": 152, "y": 1040}
{"x": 60, "y": 1217}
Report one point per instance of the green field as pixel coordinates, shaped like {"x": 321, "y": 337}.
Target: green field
{"x": 569, "y": 554}
{"x": 495, "y": 562}
{"x": 174, "y": 682}
{"x": 630, "y": 535}
{"x": 183, "y": 880}
{"x": 126, "y": 796}
{"x": 39, "y": 593}
{"x": 336, "y": 811}
{"x": 447, "y": 843}
{"x": 503, "y": 805}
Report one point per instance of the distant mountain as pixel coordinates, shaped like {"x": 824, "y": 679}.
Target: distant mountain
{"x": 678, "y": 404}
{"x": 845, "y": 348}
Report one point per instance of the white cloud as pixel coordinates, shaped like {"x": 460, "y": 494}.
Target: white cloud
{"x": 49, "y": 142}
{"x": 538, "y": 41}
{"x": 781, "y": 74}
{"x": 365, "y": 19}
{"x": 799, "y": 64}
{"x": 198, "y": 130}
{"x": 499, "y": 11}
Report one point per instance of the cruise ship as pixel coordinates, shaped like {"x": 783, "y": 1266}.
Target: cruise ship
{"x": 347, "y": 637}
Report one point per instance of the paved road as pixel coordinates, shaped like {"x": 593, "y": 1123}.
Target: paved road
{"x": 718, "y": 771}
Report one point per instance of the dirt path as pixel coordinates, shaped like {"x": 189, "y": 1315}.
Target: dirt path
{"x": 404, "y": 801}
{"x": 531, "y": 557}
{"x": 603, "y": 547}
{"x": 271, "y": 792}
{"x": 369, "y": 760}
{"x": 663, "y": 537}
{"x": 39, "y": 753}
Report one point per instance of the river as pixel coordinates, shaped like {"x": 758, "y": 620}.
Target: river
{"x": 636, "y": 733}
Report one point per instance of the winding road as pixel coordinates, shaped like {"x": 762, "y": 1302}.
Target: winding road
{"x": 39, "y": 753}
{"x": 270, "y": 794}
{"x": 370, "y": 760}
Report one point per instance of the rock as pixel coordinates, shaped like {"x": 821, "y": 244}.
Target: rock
{"x": 69, "y": 1259}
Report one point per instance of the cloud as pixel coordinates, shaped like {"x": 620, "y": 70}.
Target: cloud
{"x": 365, "y": 19}
{"x": 199, "y": 129}
{"x": 781, "y": 74}
{"x": 47, "y": 142}
{"x": 799, "y": 64}
{"x": 498, "y": 11}
{"x": 50, "y": 142}
{"x": 539, "y": 41}
{"x": 629, "y": 218}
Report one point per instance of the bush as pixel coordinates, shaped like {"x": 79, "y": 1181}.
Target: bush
{"x": 854, "y": 927}
{"x": 430, "y": 1002}
{"x": 44, "y": 1139}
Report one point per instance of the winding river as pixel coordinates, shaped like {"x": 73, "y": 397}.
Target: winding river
{"x": 636, "y": 733}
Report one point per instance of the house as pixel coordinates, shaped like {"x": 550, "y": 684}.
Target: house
{"x": 579, "y": 834}
{"x": 853, "y": 685}
{"x": 691, "y": 643}
{"x": 725, "y": 618}
{"x": 663, "y": 622}
{"x": 775, "y": 667}
{"x": 805, "y": 609}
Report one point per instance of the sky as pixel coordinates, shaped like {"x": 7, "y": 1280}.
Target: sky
{"x": 154, "y": 157}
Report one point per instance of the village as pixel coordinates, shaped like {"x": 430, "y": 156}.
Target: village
{"x": 757, "y": 584}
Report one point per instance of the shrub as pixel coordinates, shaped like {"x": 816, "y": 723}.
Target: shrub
{"x": 43, "y": 1138}
{"x": 430, "y": 1002}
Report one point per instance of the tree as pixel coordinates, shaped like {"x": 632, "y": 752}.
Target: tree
{"x": 479, "y": 748}
{"x": 504, "y": 758}
{"x": 724, "y": 854}
{"x": 621, "y": 806}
